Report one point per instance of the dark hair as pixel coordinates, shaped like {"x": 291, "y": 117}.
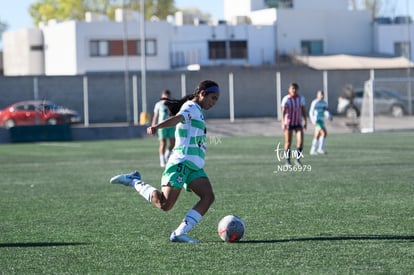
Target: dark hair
{"x": 295, "y": 85}
{"x": 165, "y": 94}
{"x": 174, "y": 105}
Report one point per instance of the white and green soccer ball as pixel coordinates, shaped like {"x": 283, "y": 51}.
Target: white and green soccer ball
{"x": 231, "y": 228}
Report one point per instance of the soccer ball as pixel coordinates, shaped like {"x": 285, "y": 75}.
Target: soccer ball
{"x": 231, "y": 228}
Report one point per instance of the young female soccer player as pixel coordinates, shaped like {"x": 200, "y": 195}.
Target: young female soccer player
{"x": 318, "y": 110}
{"x": 184, "y": 168}
{"x": 165, "y": 135}
{"x": 293, "y": 114}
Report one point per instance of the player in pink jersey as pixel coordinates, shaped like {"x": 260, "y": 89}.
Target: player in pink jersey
{"x": 293, "y": 114}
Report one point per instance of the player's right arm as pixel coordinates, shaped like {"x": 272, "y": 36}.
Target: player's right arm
{"x": 312, "y": 115}
{"x": 155, "y": 117}
{"x": 283, "y": 110}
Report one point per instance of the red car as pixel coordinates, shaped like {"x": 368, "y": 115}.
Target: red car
{"x": 36, "y": 112}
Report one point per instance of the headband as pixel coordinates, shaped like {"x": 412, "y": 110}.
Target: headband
{"x": 212, "y": 89}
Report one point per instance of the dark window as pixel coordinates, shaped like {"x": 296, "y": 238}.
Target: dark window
{"x": 227, "y": 49}
{"x": 238, "y": 49}
{"x": 36, "y": 48}
{"x": 20, "y": 107}
{"x": 312, "y": 47}
{"x": 217, "y": 50}
{"x": 403, "y": 49}
{"x": 31, "y": 107}
{"x": 279, "y": 3}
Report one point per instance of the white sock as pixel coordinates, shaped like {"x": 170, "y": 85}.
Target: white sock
{"x": 314, "y": 145}
{"x": 144, "y": 189}
{"x": 162, "y": 160}
{"x": 322, "y": 143}
{"x": 167, "y": 154}
{"x": 190, "y": 220}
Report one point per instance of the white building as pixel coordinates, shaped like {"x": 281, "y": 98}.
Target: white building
{"x": 394, "y": 39}
{"x": 253, "y": 35}
{"x": 74, "y": 48}
{"x": 23, "y": 52}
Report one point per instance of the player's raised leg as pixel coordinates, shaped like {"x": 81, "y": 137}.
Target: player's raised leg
{"x": 134, "y": 180}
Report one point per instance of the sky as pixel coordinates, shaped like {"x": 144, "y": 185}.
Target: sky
{"x": 16, "y": 14}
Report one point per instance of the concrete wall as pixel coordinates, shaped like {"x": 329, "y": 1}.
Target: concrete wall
{"x": 387, "y": 35}
{"x": 324, "y": 26}
{"x": 23, "y": 52}
{"x": 327, "y": 5}
{"x": 255, "y": 89}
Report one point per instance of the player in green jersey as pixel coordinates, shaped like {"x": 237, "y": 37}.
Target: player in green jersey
{"x": 317, "y": 112}
{"x": 165, "y": 135}
{"x": 184, "y": 169}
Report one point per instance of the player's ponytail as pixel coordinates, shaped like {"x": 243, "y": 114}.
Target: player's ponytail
{"x": 174, "y": 105}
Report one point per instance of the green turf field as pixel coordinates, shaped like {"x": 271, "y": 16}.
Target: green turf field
{"x": 349, "y": 212}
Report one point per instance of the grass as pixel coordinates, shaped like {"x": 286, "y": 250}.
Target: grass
{"x": 349, "y": 212}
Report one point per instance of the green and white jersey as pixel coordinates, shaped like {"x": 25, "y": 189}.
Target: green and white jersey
{"x": 162, "y": 111}
{"x": 190, "y": 137}
{"x": 317, "y": 110}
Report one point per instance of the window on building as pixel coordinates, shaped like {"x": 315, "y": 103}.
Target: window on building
{"x": 403, "y": 49}
{"x": 36, "y": 48}
{"x": 312, "y": 47}
{"x": 117, "y": 47}
{"x": 150, "y": 47}
{"x": 238, "y": 49}
{"x": 99, "y": 48}
{"x": 279, "y": 3}
{"x": 217, "y": 50}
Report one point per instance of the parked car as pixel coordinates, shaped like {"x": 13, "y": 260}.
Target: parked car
{"x": 33, "y": 112}
{"x": 386, "y": 101}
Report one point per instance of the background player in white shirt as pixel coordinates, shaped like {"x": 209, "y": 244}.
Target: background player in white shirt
{"x": 165, "y": 135}
{"x": 317, "y": 112}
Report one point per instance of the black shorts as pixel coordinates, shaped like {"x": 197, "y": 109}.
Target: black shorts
{"x": 296, "y": 127}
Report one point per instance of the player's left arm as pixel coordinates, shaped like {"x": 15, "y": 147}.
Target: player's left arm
{"x": 305, "y": 120}
{"x": 169, "y": 122}
{"x": 328, "y": 112}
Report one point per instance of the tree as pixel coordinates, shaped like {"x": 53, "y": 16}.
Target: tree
{"x": 197, "y": 13}
{"x": 44, "y": 10}
{"x": 3, "y": 27}
{"x": 164, "y": 8}
{"x": 158, "y": 8}
{"x": 373, "y": 6}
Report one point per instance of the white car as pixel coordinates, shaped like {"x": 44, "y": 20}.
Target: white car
{"x": 386, "y": 101}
